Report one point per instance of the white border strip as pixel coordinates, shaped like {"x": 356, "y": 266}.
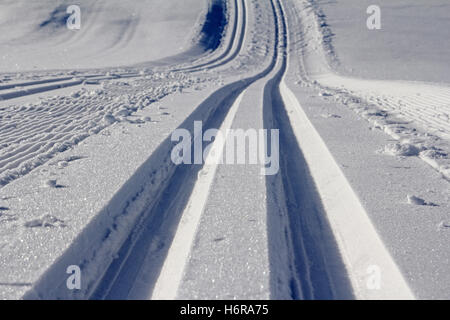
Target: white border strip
{"x": 364, "y": 254}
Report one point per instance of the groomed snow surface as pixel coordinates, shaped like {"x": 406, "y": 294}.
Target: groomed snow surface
{"x": 359, "y": 208}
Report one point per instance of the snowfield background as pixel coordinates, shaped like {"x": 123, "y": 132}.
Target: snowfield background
{"x": 113, "y": 34}
{"x": 92, "y": 205}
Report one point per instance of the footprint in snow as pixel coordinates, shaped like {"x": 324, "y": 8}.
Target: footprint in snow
{"x": 66, "y": 161}
{"x": 401, "y": 150}
{"x": 53, "y": 184}
{"x": 140, "y": 120}
{"x": 444, "y": 225}
{"x": 46, "y": 221}
{"x": 109, "y": 119}
{"x": 419, "y": 201}
{"x": 330, "y": 116}
{"x": 5, "y": 216}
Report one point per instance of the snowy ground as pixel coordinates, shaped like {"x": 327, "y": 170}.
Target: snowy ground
{"x": 113, "y": 33}
{"x": 409, "y": 45}
{"x": 87, "y": 178}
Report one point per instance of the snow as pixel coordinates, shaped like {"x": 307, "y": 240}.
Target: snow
{"x": 172, "y": 271}
{"x": 34, "y": 133}
{"x": 345, "y": 210}
{"x": 382, "y": 182}
{"x": 406, "y": 110}
{"x": 409, "y": 46}
{"x": 86, "y": 176}
{"x": 416, "y": 200}
{"x": 113, "y": 33}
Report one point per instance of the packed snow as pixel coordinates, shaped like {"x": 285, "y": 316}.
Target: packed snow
{"x": 87, "y": 177}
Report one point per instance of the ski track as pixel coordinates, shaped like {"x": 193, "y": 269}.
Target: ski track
{"x": 117, "y": 281}
{"x": 31, "y": 134}
{"x": 38, "y": 131}
{"x": 234, "y": 47}
{"x": 231, "y": 44}
{"x": 300, "y": 274}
